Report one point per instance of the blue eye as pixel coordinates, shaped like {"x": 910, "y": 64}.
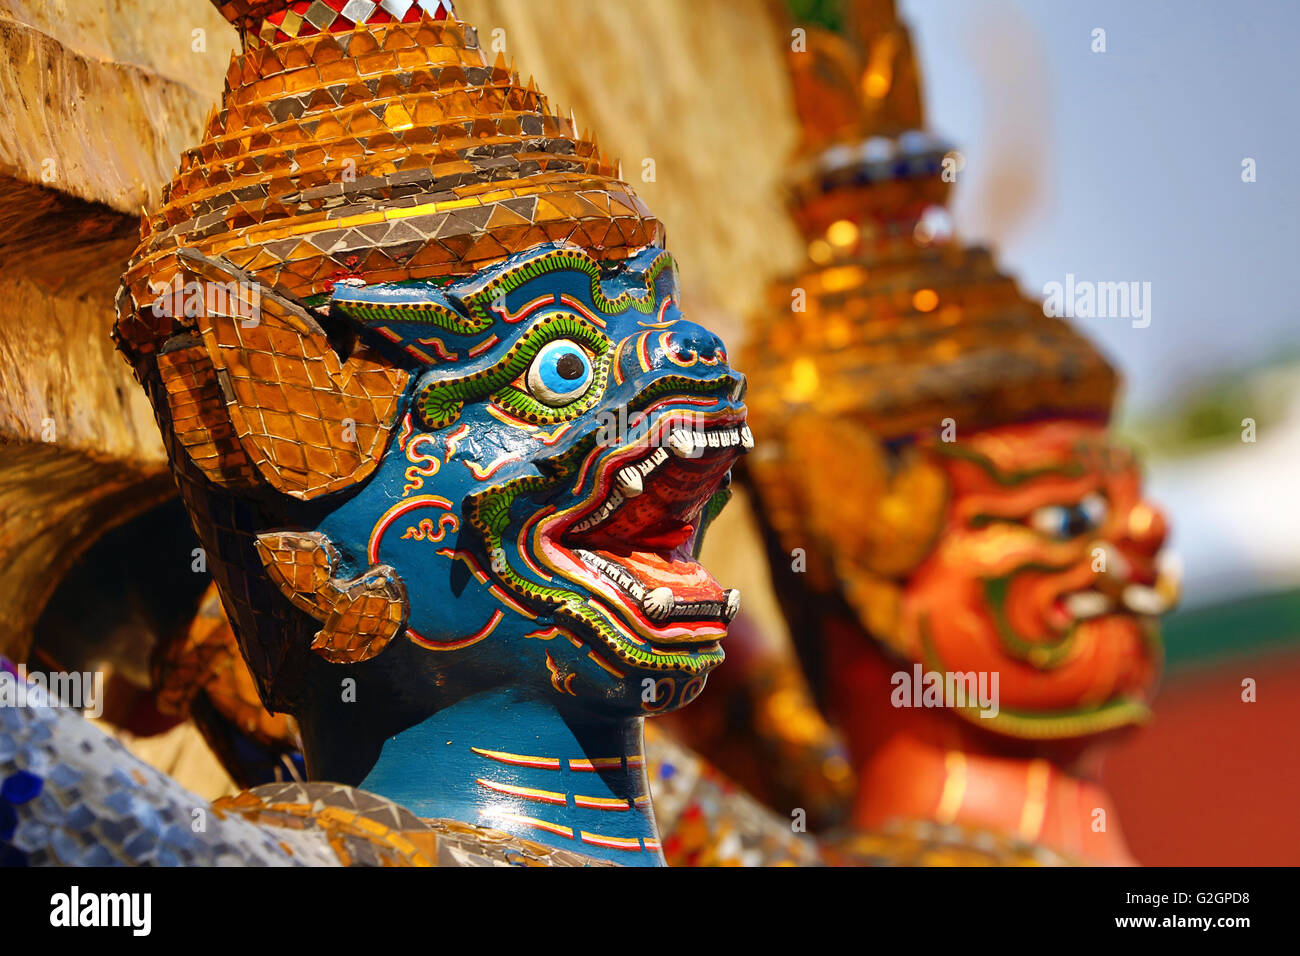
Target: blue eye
{"x": 1070, "y": 521}
{"x": 560, "y": 373}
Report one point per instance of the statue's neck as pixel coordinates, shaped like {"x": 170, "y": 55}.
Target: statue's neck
{"x": 929, "y": 764}
{"x": 566, "y": 779}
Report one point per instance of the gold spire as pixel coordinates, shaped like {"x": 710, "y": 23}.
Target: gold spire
{"x": 848, "y": 88}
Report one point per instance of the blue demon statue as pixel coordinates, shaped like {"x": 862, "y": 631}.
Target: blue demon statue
{"x": 449, "y": 446}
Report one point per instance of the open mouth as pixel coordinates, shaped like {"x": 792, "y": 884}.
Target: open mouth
{"x": 1135, "y": 599}
{"x": 631, "y": 544}
{"x": 1086, "y": 596}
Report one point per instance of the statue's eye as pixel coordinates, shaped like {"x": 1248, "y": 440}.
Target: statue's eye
{"x": 1070, "y": 521}
{"x": 560, "y": 373}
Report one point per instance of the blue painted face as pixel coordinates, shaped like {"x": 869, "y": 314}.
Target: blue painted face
{"x": 566, "y": 436}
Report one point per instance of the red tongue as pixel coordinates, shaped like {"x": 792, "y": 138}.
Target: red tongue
{"x": 687, "y": 580}
{"x": 668, "y": 536}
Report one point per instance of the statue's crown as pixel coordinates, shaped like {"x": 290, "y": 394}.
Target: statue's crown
{"x": 891, "y": 322}
{"x": 864, "y": 149}
{"x": 377, "y": 141}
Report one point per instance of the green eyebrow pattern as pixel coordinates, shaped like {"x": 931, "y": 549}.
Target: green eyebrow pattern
{"x": 440, "y": 403}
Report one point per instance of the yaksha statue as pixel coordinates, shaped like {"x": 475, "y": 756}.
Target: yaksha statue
{"x": 965, "y": 554}
{"x": 447, "y": 440}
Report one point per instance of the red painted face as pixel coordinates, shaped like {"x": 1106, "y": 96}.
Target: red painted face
{"x": 1045, "y": 573}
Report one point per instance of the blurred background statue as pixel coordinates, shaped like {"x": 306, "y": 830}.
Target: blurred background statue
{"x": 965, "y": 556}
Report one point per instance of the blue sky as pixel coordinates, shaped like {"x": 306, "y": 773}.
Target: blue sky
{"x": 1126, "y": 165}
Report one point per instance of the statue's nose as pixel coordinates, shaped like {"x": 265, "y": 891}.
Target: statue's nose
{"x": 688, "y": 341}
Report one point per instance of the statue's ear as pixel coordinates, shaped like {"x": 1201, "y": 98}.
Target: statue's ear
{"x": 255, "y": 386}
{"x": 360, "y": 616}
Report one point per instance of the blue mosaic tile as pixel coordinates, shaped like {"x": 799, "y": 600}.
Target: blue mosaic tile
{"x": 21, "y": 786}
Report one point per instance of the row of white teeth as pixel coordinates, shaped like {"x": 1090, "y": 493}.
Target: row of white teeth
{"x": 1137, "y": 598}
{"x": 629, "y": 483}
{"x": 682, "y": 442}
{"x": 659, "y": 604}
{"x": 689, "y": 443}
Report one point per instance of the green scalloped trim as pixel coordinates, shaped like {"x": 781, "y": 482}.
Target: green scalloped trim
{"x": 1074, "y": 469}
{"x": 677, "y": 385}
{"x": 560, "y": 260}
{"x": 440, "y": 403}
{"x": 480, "y": 319}
{"x": 1079, "y": 723}
{"x": 425, "y": 313}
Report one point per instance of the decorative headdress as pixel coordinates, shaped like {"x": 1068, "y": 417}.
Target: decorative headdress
{"x": 354, "y": 139}
{"x": 902, "y": 327}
